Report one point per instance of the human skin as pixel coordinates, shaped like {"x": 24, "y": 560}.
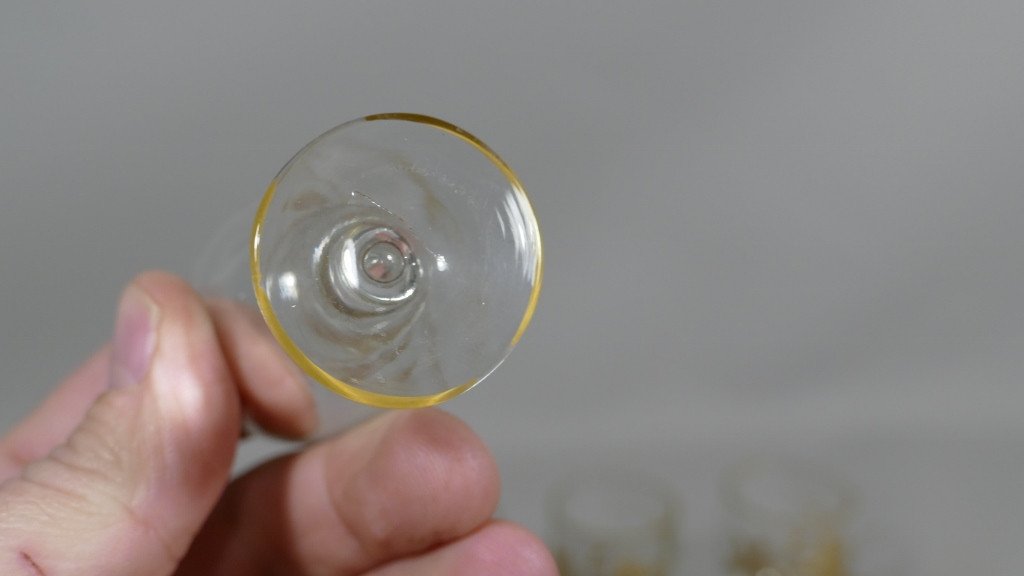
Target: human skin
{"x": 125, "y": 468}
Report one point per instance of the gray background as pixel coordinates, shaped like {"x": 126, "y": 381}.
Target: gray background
{"x": 769, "y": 226}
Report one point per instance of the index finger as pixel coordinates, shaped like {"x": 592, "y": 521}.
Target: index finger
{"x": 53, "y": 421}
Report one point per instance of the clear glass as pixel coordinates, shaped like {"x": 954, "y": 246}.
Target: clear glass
{"x": 395, "y": 258}
{"x": 786, "y": 517}
{"x": 613, "y": 523}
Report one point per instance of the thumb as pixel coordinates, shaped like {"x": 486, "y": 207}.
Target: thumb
{"x": 130, "y": 488}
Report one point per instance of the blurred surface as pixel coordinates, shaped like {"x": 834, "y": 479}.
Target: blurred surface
{"x": 789, "y": 225}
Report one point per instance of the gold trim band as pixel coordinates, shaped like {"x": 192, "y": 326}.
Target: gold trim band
{"x": 311, "y": 368}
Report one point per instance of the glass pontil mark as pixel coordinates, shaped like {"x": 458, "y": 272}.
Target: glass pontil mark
{"x": 383, "y": 262}
{"x": 371, "y": 269}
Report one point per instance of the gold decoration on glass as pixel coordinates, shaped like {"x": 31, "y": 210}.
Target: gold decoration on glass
{"x": 396, "y": 259}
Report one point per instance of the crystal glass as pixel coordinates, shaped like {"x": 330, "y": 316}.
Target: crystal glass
{"x": 786, "y": 517}
{"x": 395, "y": 258}
{"x": 613, "y": 522}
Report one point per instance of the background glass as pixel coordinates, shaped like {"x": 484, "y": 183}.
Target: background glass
{"x": 786, "y": 518}
{"x": 613, "y": 523}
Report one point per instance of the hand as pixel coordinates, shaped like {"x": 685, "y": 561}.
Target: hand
{"x": 125, "y": 468}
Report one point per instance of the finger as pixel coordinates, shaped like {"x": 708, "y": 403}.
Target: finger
{"x": 497, "y": 549}
{"x": 273, "y": 390}
{"x": 129, "y": 489}
{"x": 52, "y": 423}
{"x": 400, "y": 484}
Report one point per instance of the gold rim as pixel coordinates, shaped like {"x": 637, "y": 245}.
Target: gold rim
{"x": 344, "y": 388}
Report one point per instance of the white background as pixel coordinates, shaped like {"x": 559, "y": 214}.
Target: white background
{"x": 782, "y": 226}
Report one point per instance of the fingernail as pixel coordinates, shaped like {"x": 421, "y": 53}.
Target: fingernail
{"x": 134, "y": 338}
